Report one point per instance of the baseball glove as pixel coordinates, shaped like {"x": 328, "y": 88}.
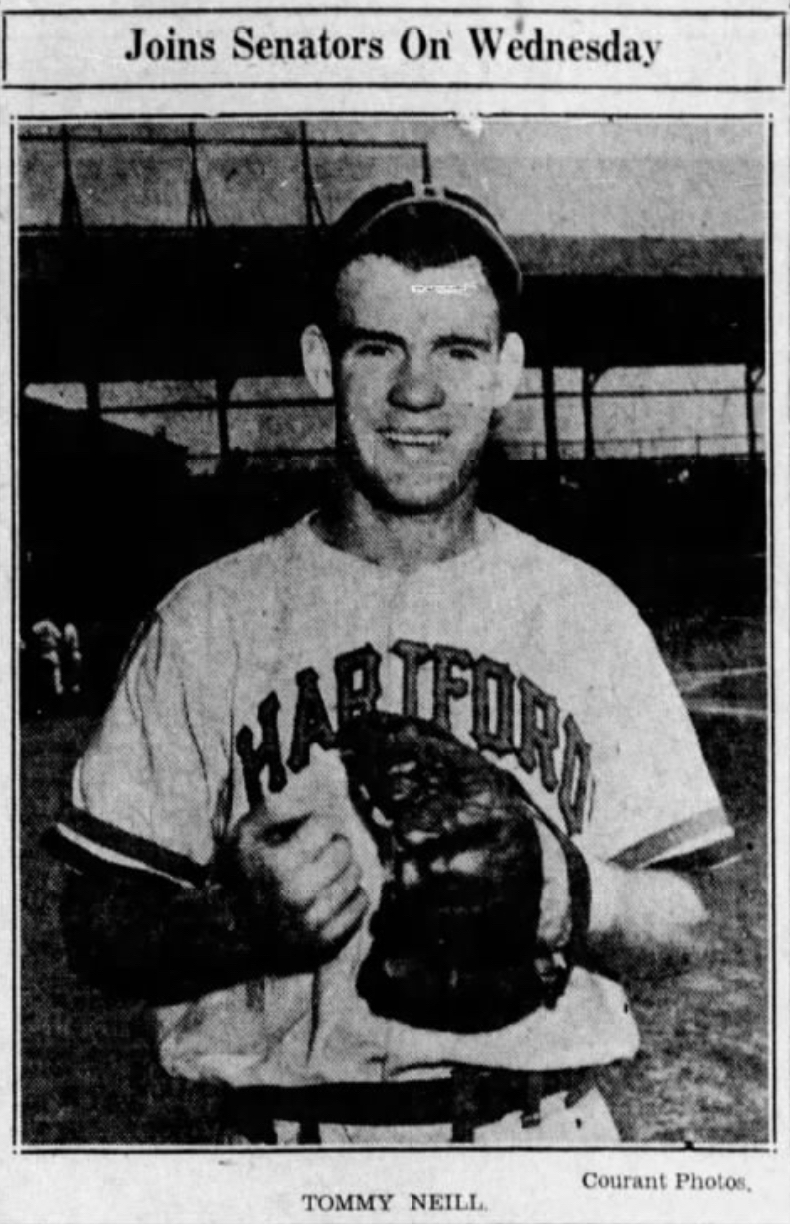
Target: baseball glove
{"x": 484, "y": 901}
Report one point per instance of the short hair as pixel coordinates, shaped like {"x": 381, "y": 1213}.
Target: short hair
{"x": 419, "y": 227}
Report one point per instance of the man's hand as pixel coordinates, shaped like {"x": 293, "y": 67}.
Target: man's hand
{"x": 300, "y": 887}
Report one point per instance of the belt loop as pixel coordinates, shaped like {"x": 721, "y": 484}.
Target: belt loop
{"x": 530, "y": 1115}
{"x": 309, "y": 1133}
{"x": 464, "y": 1083}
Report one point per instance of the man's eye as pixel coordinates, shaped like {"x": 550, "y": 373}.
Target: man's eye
{"x": 462, "y": 352}
{"x": 372, "y": 348}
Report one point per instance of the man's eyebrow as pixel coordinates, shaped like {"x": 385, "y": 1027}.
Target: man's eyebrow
{"x": 356, "y": 335}
{"x": 480, "y": 343}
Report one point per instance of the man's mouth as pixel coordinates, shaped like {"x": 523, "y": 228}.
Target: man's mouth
{"x": 415, "y": 439}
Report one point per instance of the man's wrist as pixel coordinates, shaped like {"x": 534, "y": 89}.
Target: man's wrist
{"x": 238, "y": 895}
{"x": 605, "y": 895}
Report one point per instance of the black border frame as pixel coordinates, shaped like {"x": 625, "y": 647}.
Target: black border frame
{"x": 19, "y": 1148}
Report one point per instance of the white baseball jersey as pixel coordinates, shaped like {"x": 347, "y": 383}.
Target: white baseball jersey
{"x": 236, "y": 690}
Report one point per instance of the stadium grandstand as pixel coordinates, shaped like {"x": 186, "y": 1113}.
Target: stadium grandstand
{"x": 187, "y": 325}
{"x": 165, "y": 277}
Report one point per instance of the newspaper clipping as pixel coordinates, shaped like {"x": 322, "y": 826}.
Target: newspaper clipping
{"x": 394, "y": 561}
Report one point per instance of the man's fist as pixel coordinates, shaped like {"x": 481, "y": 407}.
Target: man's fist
{"x": 299, "y": 885}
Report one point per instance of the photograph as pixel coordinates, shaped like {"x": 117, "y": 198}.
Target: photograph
{"x": 393, "y": 566}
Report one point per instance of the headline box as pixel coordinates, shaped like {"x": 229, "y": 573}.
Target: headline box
{"x": 394, "y": 48}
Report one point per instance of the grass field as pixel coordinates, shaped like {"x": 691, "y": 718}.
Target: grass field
{"x": 89, "y": 1077}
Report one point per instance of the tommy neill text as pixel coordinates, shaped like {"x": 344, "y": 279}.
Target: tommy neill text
{"x": 384, "y": 1202}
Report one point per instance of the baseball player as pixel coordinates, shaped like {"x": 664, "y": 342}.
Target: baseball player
{"x": 385, "y": 808}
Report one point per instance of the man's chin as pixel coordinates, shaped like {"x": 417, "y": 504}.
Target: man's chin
{"x": 409, "y": 496}
{"x": 416, "y": 502}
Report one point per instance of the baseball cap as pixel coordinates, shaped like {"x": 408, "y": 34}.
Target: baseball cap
{"x": 403, "y": 216}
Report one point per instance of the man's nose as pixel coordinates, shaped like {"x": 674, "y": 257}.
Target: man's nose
{"x": 416, "y": 386}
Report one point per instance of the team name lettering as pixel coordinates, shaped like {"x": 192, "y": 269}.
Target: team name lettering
{"x": 311, "y": 723}
{"x": 268, "y": 754}
{"x": 510, "y": 715}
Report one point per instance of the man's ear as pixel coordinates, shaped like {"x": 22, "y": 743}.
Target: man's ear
{"x": 511, "y": 367}
{"x": 317, "y": 361}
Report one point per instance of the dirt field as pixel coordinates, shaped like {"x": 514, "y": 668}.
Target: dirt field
{"x": 88, "y": 1076}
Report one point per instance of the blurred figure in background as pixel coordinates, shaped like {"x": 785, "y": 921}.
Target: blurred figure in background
{"x": 46, "y": 671}
{"x": 71, "y": 660}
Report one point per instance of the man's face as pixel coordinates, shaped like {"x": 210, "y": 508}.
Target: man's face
{"x": 417, "y": 371}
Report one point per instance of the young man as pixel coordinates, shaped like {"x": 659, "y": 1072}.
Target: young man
{"x": 223, "y": 872}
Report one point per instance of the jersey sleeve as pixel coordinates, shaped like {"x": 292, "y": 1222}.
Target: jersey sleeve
{"x": 655, "y": 803}
{"x": 150, "y": 791}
